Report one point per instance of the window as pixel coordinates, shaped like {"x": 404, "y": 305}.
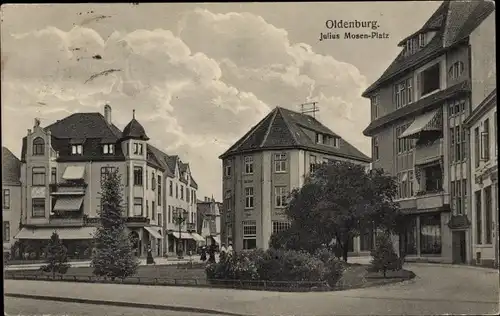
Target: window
{"x": 249, "y": 197}
{"x": 182, "y": 192}
{"x": 170, "y": 188}
{"x": 6, "y": 231}
{"x": 146, "y": 179}
{"x": 38, "y": 147}
{"x": 138, "y": 207}
{"x": 153, "y": 181}
{"x": 176, "y": 191}
{"x": 336, "y": 142}
{"x": 430, "y": 234}
{"x": 421, "y": 40}
{"x": 153, "y": 210}
{"x": 464, "y": 195}
{"x": 53, "y": 175}
{"x": 485, "y": 141}
{"x": 169, "y": 214}
{"x": 38, "y": 176}
{"x": 76, "y": 149}
{"x": 375, "y": 106}
{"x": 187, "y": 194}
{"x": 38, "y": 207}
{"x": 477, "y": 147}
{"x": 248, "y": 164}
{"x": 405, "y": 184}
{"x": 227, "y": 168}
{"x": 319, "y": 138}
{"x": 313, "y": 163}
{"x": 404, "y": 145}
{"x": 108, "y": 149}
{"x": 137, "y": 149}
{"x": 456, "y": 107}
{"x": 429, "y": 80}
{"x": 147, "y": 208}
{"x": 410, "y": 236}
{"x": 488, "y": 215}
{"x": 458, "y": 193}
{"x": 409, "y": 90}
{"x": 375, "y": 148}
{"x": 138, "y": 176}
{"x": 456, "y": 70}
{"x": 280, "y": 162}
{"x": 281, "y": 196}
{"x": 433, "y": 179}
{"x": 457, "y": 143}
{"x": 479, "y": 218}
{"x": 160, "y": 222}
{"x": 249, "y": 235}
{"x": 279, "y": 226}
{"x": 159, "y": 190}
{"x": 6, "y": 199}
{"x": 105, "y": 171}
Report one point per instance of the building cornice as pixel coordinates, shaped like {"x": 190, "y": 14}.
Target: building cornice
{"x": 487, "y": 104}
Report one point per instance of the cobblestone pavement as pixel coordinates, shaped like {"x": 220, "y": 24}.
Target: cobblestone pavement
{"x": 438, "y": 289}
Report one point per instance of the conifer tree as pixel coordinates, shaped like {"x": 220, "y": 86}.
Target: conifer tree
{"x": 384, "y": 256}
{"x": 57, "y": 259}
{"x": 113, "y": 256}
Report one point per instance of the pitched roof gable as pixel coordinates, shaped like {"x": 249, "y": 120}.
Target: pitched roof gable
{"x": 11, "y": 168}
{"x": 284, "y": 128}
{"x": 453, "y": 21}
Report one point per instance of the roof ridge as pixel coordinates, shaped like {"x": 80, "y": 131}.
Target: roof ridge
{"x": 285, "y": 119}
{"x": 250, "y": 132}
{"x": 269, "y": 127}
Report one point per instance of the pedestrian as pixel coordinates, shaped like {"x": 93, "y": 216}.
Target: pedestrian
{"x": 150, "y": 259}
{"x": 211, "y": 254}
{"x": 230, "y": 249}
{"x": 203, "y": 256}
{"x": 223, "y": 252}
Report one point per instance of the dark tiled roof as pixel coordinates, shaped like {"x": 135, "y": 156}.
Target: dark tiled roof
{"x": 134, "y": 130}
{"x": 11, "y": 168}
{"x": 453, "y": 22}
{"x": 283, "y": 128}
{"x": 168, "y": 163}
{"x": 417, "y": 107}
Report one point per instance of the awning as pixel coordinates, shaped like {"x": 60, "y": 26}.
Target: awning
{"x": 68, "y": 203}
{"x": 430, "y": 121}
{"x": 74, "y": 173}
{"x": 216, "y": 239}
{"x": 154, "y": 231}
{"x": 183, "y": 235}
{"x": 197, "y": 237}
{"x": 64, "y": 233}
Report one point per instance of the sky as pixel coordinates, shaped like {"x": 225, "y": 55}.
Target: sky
{"x": 199, "y": 76}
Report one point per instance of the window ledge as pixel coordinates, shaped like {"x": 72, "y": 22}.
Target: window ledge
{"x": 429, "y": 93}
{"x": 483, "y": 245}
{"x": 281, "y": 171}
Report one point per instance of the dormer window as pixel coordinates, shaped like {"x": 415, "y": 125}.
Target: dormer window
{"x": 77, "y": 149}
{"x": 38, "y": 147}
{"x": 456, "y": 70}
{"x": 108, "y": 149}
{"x": 421, "y": 40}
{"x": 336, "y": 142}
{"x": 319, "y": 138}
{"x": 137, "y": 149}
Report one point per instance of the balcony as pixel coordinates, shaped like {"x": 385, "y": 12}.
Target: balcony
{"x": 136, "y": 221}
{"x": 431, "y": 200}
{"x": 425, "y": 153}
{"x": 66, "y": 221}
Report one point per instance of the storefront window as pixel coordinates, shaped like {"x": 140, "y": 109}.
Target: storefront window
{"x": 430, "y": 234}
{"x": 410, "y": 237}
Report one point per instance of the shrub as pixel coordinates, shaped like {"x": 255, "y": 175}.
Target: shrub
{"x": 57, "y": 259}
{"x": 384, "y": 256}
{"x": 237, "y": 267}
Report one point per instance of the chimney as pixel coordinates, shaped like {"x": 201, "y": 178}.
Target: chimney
{"x": 29, "y": 131}
{"x": 107, "y": 113}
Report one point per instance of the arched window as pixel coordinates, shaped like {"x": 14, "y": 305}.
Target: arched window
{"x": 456, "y": 70}
{"x": 38, "y": 147}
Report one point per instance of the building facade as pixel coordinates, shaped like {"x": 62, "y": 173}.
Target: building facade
{"x": 265, "y": 165}
{"x": 483, "y": 204}
{"x": 63, "y": 166}
{"x": 11, "y": 197}
{"x": 209, "y": 221}
{"x": 418, "y": 110}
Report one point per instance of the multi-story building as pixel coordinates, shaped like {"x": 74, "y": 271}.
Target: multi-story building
{"x": 265, "y": 165}
{"x": 209, "y": 220}
{"x": 11, "y": 198}
{"x": 64, "y": 163}
{"x": 482, "y": 124}
{"x": 418, "y": 109}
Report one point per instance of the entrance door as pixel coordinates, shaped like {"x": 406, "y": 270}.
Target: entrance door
{"x": 459, "y": 247}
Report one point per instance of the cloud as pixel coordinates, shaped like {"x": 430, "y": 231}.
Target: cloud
{"x": 196, "y": 93}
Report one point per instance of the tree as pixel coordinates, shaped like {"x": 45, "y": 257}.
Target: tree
{"x": 340, "y": 198}
{"x": 114, "y": 257}
{"x": 383, "y": 256}
{"x": 57, "y": 259}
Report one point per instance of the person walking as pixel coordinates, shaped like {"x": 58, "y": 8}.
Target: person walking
{"x": 211, "y": 254}
{"x": 223, "y": 252}
{"x": 149, "y": 258}
{"x": 203, "y": 256}
{"x": 230, "y": 249}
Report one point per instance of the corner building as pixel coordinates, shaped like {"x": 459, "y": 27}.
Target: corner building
{"x": 265, "y": 165}
{"x": 419, "y": 106}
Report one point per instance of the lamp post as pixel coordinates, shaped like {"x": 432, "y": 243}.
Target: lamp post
{"x": 180, "y": 218}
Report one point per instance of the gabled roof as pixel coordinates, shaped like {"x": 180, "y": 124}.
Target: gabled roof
{"x": 283, "y": 128}
{"x": 11, "y": 168}
{"x": 488, "y": 103}
{"x": 168, "y": 163}
{"x": 453, "y": 22}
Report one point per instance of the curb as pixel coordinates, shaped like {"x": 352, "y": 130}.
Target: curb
{"x": 449, "y": 265}
{"x": 122, "y": 304}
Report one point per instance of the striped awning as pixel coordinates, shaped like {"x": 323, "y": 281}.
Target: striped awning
{"x": 182, "y": 235}
{"x": 68, "y": 203}
{"x": 72, "y": 233}
{"x": 197, "y": 237}
{"x": 430, "y": 121}
{"x": 74, "y": 173}
{"x": 154, "y": 231}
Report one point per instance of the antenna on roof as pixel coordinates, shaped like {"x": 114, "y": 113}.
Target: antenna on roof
{"x": 309, "y": 107}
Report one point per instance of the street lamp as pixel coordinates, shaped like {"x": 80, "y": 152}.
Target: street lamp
{"x": 180, "y": 218}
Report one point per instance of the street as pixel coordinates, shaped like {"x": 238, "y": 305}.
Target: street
{"x": 438, "y": 289}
